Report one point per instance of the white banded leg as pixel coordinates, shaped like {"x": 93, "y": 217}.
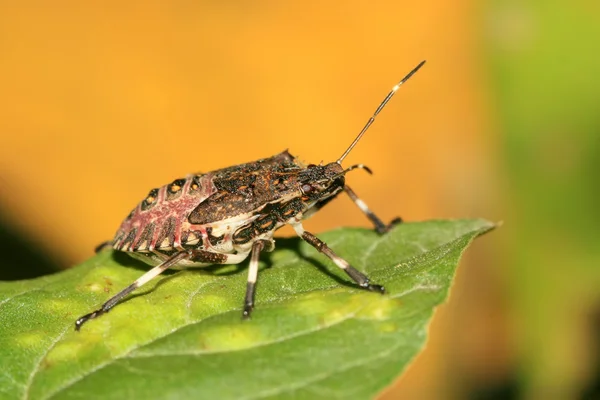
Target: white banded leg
{"x": 257, "y": 247}
{"x": 193, "y": 255}
{"x": 174, "y": 259}
{"x": 361, "y": 279}
{"x": 380, "y": 227}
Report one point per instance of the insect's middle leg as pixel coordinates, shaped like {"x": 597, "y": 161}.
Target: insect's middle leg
{"x": 357, "y": 276}
{"x": 380, "y": 227}
{"x": 257, "y": 247}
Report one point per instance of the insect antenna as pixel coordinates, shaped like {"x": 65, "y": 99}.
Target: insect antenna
{"x": 378, "y": 110}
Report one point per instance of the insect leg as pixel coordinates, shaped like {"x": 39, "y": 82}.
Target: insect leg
{"x": 102, "y": 246}
{"x": 209, "y": 257}
{"x": 380, "y": 227}
{"x": 357, "y": 276}
{"x": 257, "y": 247}
{"x": 174, "y": 259}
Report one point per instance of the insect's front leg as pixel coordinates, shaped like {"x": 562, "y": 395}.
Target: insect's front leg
{"x": 257, "y": 247}
{"x": 380, "y": 227}
{"x": 357, "y": 276}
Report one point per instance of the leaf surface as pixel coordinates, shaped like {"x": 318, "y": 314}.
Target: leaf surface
{"x": 313, "y": 334}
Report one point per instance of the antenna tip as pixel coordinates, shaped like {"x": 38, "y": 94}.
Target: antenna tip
{"x": 411, "y": 73}
{"x": 420, "y": 65}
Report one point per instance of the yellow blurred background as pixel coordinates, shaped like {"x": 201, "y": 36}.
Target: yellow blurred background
{"x": 99, "y": 103}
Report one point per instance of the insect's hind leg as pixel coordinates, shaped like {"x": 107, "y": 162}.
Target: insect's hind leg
{"x": 200, "y": 256}
{"x": 361, "y": 279}
{"x": 174, "y": 259}
{"x": 257, "y": 247}
{"x": 380, "y": 227}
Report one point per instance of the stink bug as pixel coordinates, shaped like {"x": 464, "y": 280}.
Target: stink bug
{"x": 223, "y": 216}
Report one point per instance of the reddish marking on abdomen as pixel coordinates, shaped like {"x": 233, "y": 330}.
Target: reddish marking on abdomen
{"x": 177, "y": 210}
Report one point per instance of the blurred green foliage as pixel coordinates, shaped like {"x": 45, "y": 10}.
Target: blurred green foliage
{"x": 544, "y": 62}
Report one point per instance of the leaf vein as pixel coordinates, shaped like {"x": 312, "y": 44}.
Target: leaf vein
{"x": 38, "y": 364}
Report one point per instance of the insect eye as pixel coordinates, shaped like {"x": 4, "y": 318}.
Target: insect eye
{"x": 307, "y": 189}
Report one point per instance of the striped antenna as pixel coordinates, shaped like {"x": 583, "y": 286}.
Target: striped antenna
{"x": 378, "y": 110}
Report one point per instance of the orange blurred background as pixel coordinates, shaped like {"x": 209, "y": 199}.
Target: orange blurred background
{"x": 101, "y": 103}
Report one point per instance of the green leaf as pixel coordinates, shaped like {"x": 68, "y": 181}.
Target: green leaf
{"x": 313, "y": 333}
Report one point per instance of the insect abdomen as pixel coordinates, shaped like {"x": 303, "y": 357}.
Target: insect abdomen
{"x": 158, "y": 221}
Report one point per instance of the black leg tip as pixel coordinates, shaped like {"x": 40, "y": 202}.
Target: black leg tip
{"x": 246, "y": 313}
{"x": 395, "y": 222}
{"x": 372, "y": 287}
{"x": 82, "y": 320}
{"x": 376, "y": 288}
{"x": 79, "y": 323}
{"x": 381, "y": 229}
{"x": 102, "y": 246}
